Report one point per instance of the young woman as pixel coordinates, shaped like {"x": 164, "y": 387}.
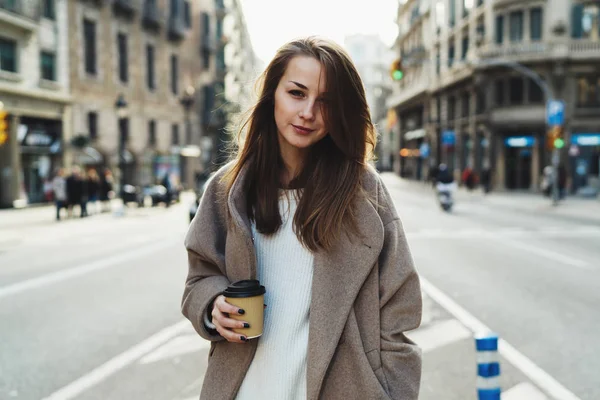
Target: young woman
{"x": 301, "y": 210}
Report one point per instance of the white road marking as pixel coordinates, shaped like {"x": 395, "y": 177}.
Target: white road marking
{"x": 523, "y": 391}
{"x": 59, "y": 276}
{"x": 537, "y": 375}
{"x": 546, "y": 253}
{"x": 439, "y": 334}
{"x": 117, "y": 363}
{"x": 184, "y": 344}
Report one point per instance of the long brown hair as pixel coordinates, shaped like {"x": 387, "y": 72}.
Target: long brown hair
{"x": 330, "y": 180}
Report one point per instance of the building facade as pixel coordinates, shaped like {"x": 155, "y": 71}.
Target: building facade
{"x": 372, "y": 59}
{"x": 469, "y": 94}
{"x": 136, "y": 67}
{"x": 34, "y": 97}
{"x": 243, "y": 66}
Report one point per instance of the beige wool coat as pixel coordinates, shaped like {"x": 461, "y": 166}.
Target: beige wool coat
{"x": 365, "y": 295}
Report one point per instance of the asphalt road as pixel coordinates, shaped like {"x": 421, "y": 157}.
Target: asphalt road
{"x": 90, "y": 309}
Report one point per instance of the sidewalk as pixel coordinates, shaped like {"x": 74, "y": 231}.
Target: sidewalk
{"x": 572, "y": 208}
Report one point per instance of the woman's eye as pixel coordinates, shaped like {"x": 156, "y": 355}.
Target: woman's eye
{"x": 296, "y": 93}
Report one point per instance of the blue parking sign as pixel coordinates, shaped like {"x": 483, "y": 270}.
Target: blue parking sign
{"x": 555, "y": 112}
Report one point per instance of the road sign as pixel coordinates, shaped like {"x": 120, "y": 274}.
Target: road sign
{"x": 555, "y": 112}
{"x": 448, "y": 138}
{"x": 424, "y": 150}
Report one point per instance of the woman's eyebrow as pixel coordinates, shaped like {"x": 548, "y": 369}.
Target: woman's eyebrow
{"x": 301, "y": 86}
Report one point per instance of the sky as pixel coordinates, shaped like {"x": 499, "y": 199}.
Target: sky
{"x": 271, "y": 23}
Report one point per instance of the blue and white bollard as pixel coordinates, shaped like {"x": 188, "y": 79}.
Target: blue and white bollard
{"x": 488, "y": 367}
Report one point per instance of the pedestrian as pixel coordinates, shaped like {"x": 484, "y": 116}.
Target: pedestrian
{"x": 59, "y": 187}
{"x": 486, "y": 179}
{"x": 74, "y": 190}
{"x": 301, "y": 209}
{"x": 106, "y": 190}
{"x": 93, "y": 188}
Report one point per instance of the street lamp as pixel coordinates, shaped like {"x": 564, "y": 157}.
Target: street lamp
{"x": 122, "y": 112}
{"x": 187, "y": 101}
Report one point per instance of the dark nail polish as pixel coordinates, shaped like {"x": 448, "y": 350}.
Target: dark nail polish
{"x": 241, "y": 311}
{"x": 243, "y": 338}
{"x": 246, "y": 325}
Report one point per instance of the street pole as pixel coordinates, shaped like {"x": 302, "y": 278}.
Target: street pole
{"x": 121, "y": 151}
{"x": 555, "y": 164}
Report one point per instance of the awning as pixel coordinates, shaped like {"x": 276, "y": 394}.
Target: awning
{"x": 415, "y": 134}
{"x": 88, "y": 156}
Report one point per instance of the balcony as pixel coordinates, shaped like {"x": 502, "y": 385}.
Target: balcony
{"x": 124, "y": 7}
{"x": 176, "y": 28}
{"x": 576, "y": 49}
{"x": 21, "y": 14}
{"x": 152, "y": 16}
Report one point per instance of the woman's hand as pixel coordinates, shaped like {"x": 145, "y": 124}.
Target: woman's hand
{"x": 220, "y": 318}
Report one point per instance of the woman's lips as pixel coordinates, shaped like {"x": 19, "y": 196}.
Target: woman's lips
{"x": 301, "y": 130}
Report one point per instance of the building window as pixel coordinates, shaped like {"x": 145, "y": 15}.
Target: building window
{"x": 152, "y": 133}
{"x": 586, "y": 21}
{"x": 150, "y": 81}
{"x": 123, "y": 57}
{"x": 588, "y": 91}
{"x": 174, "y": 75}
{"x": 89, "y": 46}
{"x": 481, "y": 102}
{"x": 535, "y": 93}
{"x": 515, "y": 87}
{"x": 187, "y": 14}
{"x": 465, "y": 104}
{"x": 48, "y": 66}
{"x": 467, "y": 5}
{"x": 124, "y": 135}
{"x": 48, "y": 9}
{"x": 465, "y": 47}
{"x": 450, "y": 55}
{"x": 451, "y": 108}
{"x": 536, "y": 23}
{"x": 438, "y": 62}
{"x": 499, "y": 29}
{"x": 499, "y": 92}
{"x": 206, "y": 35}
{"x": 92, "y": 120}
{"x": 452, "y": 16}
{"x": 8, "y": 55}
{"x": 516, "y": 26}
{"x": 175, "y": 135}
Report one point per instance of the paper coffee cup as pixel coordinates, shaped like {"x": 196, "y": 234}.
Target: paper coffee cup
{"x": 248, "y": 295}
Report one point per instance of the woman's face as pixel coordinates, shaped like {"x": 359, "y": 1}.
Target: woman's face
{"x": 298, "y": 106}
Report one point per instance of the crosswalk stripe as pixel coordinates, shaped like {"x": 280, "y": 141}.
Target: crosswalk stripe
{"x": 524, "y": 391}
{"x": 439, "y": 334}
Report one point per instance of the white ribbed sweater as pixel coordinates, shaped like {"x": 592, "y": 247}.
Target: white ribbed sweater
{"x": 285, "y": 268}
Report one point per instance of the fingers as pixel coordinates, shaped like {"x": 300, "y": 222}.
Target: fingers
{"x": 224, "y": 324}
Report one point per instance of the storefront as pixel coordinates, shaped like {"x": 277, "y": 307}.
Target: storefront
{"x": 40, "y": 146}
{"x": 584, "y": 157}
{"x": 449, "y": 149}
{"x": 167, "y": 165}
{"x": 518, "y": 161}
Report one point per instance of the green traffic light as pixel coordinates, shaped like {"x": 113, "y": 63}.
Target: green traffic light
{"x": 559, "y": 143}
{"x": 397, "y": 75}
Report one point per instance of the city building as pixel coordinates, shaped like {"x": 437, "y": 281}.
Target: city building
{"x": 135, "y": 74}
{"x": 372, "y": 59}
{"x": 243, "y": 66}
{"x": 35, "y": 104}
{"x": 470, "y": 94}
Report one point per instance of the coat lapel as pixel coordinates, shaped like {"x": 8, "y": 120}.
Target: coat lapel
{"x": 337, "y": 278}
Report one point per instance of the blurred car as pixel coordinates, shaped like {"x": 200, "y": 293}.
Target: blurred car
{"x": 157, "y": 194}
{"x": 132, "y": 194}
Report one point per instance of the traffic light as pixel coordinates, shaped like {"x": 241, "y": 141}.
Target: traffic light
{"x": 555, "y": 138}
{"x": 396, "y": 70}
{"x": 3, "y": 127}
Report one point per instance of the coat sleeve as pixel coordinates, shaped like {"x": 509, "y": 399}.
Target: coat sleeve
{"x": 205, "y": 244}
{"x": 400, "y": 311}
